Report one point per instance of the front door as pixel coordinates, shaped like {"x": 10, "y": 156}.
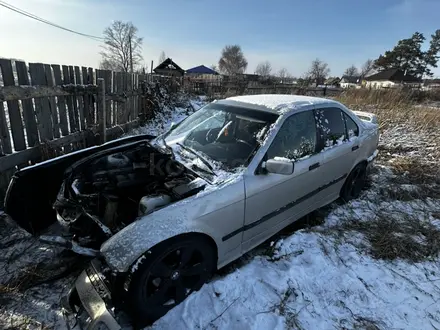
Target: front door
{"x": 275, "y": 200}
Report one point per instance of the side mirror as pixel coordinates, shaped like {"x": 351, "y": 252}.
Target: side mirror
{"x": 173, "y": 124}
{"x": 279, "y": 166}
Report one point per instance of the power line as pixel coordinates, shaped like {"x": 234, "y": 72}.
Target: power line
{"x": 42, "y": 20}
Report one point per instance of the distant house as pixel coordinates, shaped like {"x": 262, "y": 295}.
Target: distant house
{"x": 169, "y": 68}
{"x": 391, "y": 78}
{"x": 351, "y": 81}
{"x": 333, "y": 82}
{"x": 430, "y": 84}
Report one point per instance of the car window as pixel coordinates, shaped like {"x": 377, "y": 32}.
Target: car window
{"x": 296, "y": 137}
{"x": 332, "y": 124}
{"x": 352, "y": 127}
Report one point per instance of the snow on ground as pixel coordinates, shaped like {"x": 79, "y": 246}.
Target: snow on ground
{"x": 323, "y": 278}
{"x": 369, "y": 264}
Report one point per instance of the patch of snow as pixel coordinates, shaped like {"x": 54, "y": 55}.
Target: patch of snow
{"x": 278, "y": 102}
{"x": 282, "y": 159}
{"x": 373, "y": 156}
{"x": 137, "y": 264}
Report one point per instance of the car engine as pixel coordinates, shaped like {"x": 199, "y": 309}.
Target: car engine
{"x": 102, "y": 195}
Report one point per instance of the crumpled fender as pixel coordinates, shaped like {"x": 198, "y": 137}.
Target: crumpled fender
{"x": 191, "y": 215}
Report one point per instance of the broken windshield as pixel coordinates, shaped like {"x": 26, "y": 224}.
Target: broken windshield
{"x": 226, "y": 134}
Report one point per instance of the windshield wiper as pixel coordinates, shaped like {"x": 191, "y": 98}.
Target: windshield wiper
{"x": 204, "y": 161}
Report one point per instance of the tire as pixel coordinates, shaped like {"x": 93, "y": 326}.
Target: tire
{"x": 354, "y": 183}
{"x": 166, "y": 276}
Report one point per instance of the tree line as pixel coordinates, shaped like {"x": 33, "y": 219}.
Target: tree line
{"x": 122, "y": 51}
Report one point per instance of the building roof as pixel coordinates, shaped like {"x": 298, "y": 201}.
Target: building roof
{"x": 435, "y": 81}
{"x": 274, "y": 103}
{"x": 169, "y": 64}
{"x": 392, "y": 75}
{"x": 332, "y": 80}
{"x": 201, "y": 69}
{"x": 351, "y": 79}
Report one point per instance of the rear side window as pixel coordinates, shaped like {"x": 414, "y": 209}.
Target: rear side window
{"x": 332, "y": 124}
{"x": 352, "y": 127}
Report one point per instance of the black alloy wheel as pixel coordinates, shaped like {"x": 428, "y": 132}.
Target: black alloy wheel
{"x": 168, "y": 275}
{"x": 355, "y": 183}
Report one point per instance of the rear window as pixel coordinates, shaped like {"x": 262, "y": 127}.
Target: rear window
{"x": 332, "y": 123}
{"x": 352, "y": 127}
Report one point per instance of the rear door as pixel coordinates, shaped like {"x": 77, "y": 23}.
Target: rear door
{"x": 339, "y": 145}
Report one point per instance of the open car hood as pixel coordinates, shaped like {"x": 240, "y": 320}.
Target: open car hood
{"x": 33, "y": 190}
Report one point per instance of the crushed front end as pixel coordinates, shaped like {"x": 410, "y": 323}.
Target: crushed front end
{"x": 103, "y": 193}
{"x": 93, "y": 300}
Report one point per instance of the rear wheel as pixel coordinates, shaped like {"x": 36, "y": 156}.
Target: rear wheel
{"x": 167, "y": 275}
{"x": 355, "y": 183}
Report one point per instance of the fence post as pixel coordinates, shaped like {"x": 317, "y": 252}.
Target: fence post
{"x": 101, "y": 109}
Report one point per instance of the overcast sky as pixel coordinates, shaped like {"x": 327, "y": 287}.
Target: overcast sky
{"x": 288, "y": 33}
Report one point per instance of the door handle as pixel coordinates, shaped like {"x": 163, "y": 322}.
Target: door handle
{"x": 312, "y": 167}
{"x": 354, "y": 148}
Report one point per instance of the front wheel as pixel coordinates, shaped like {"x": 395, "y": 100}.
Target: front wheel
{"x": 167, "y": 275}
{"x": 355, "y": 183}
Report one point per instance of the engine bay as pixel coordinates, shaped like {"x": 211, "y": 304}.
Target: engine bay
{"x": 102, "y": 194}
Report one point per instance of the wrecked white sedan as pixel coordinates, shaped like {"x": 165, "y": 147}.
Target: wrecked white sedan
{"x": 161, "y": 214}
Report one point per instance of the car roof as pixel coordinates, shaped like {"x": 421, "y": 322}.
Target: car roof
{"x": 275, "y": 103}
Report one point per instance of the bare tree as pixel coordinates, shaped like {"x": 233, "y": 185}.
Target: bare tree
{"x": 367, "y": 68}
{"x": 109, "y": 64}
{"x": 283, "y": 73}
{"x": 318, "y": 71}
{"x": 214, "y": 67}
{"x": 232, "y": 60}
{"x": 264, "y": 69}
{"x": 162, "y": 57}
{"x": 351, "y": 71}
{"x": 122, "y": 47}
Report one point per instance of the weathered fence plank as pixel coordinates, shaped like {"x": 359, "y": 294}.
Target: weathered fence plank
{"x": 74, "y": 98}
{"x": 86, "y": 99}
{"x": 61, "y": 101}
{"x": 115, "y": 104}
{"x": 108, "y": 104}
{"x": 91, "y": 80}
{"x": 130, "y": 98}
{"x": 69, "y": 101}
{"x": 119, "y": 88}
{"x": 52, "y": 102}
{"x": 42, "y": 107}
{"x": 127, "y": 85}
{"x": 101, "y": 106}
{"x": 13, "y": 107}
{"x": 79, "y": 81}
{"x": 135, "y": 98}
{"x": 5, "y": 140}
{"x": 30, "y": 122}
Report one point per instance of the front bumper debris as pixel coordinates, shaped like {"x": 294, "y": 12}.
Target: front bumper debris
{"x": 94, "y": 312}
{"x": 70, "y": 245}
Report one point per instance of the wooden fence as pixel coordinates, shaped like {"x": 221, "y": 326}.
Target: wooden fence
{"x": 48, "y": 110}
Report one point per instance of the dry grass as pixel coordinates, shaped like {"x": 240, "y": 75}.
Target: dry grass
{"x": 395, "y": 236}
{"x": 393, "y": 107}
{"x": 415, "y": 171}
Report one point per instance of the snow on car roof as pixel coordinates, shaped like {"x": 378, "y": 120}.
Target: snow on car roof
{"x": 274, "y": 103}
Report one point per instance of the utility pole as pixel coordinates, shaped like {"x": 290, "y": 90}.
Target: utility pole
{"x": 131, "y": 54}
